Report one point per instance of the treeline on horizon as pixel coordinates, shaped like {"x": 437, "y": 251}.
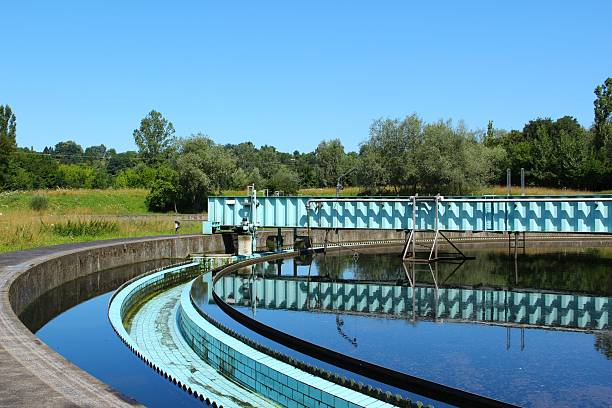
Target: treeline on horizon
{"x": 400, "y": 156}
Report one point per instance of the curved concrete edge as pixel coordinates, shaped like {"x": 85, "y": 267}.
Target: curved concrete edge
{"x": 275, "y": 379}
{"x": 32, "y": 373}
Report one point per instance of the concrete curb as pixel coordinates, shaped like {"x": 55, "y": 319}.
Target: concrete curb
{"x": 32, "y": 373}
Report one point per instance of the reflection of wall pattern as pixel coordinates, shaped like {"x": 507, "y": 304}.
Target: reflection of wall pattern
{"x": 481, "y": 305}
{"x": 254, "y": 370}
{"x": 454, "y": 215}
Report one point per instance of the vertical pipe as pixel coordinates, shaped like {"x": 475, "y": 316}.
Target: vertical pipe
{"x": 254, "y": 219}
{"x": 516, "y": 234}
{"x": 437, "y": 226}
{"x": 509, "y": 185}
{"x": 509, "y": 181}
{"x": 515, "y": 271}
{"x": 414, "y": 226}
{"x": 253, "y": 291}
{"x": 509, "y": 243}
{"x": 507, "y": 338}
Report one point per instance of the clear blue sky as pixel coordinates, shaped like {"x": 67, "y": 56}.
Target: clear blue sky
{"x": 290, "y": 74}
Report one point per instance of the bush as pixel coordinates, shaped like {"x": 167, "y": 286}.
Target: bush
{"x": 285, "y": 180}
{"x": 80, "y": 228}
{"x": 164, "y": 192}
{"x": 39, "y": 203}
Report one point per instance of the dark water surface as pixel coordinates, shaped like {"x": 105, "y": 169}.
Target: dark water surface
{"x": 83, "y": 335}
{"x": 533, "y": 333}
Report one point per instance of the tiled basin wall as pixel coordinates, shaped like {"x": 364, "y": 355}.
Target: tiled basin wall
{"x": 257, "y": 371}
{"x": 157, "y": 283}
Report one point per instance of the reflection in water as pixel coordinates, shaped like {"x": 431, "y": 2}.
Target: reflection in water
{"x": 71, "y": 293}
{"x": 567, "y": 311}
{"x": 526, "y": 330}
{"x": 77, "y": 327}
{"x": 381, "y": 284}
{"x": 603, "y": 343}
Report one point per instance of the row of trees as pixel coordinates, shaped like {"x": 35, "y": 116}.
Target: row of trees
{"x": 400, "y": 156}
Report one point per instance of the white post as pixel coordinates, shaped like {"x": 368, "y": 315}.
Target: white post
{"x": 254, "y": 218}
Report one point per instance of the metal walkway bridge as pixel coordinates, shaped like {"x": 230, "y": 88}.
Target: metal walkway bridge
{"x": 552, "y": 214}
{"x": 509, "y": 214}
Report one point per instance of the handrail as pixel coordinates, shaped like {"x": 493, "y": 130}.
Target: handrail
{"x": 461, "y": 199}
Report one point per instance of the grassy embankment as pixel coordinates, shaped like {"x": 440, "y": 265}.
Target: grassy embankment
{"x": 86, "y": 215}
{"x": 80, "y": 215}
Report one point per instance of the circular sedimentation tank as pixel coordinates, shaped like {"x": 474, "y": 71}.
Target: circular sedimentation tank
{"x": 271, "y": 364}
{"x": 162, "y": 321}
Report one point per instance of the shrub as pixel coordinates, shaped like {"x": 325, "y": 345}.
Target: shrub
{"x": 164, "y": 192}
{"x": 39, "y": 203}
{"x": 81, "y": 228}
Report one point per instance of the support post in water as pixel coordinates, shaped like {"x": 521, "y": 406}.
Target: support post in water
{"x": 279, "y": 239}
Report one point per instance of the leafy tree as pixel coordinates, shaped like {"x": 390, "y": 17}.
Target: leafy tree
{"x": 554, "y": 153}
{"x": 102, "y": 178}
{"x": 269, "y": 161}
{"x": 247, "y": 155}
{"x": 165, "y": 190}
{"x": 285, "y": 179}
{"x": 373, "y": 175}
{"x": 120, "y": 161}
{"x": 154, "y": 138}
{"x": 331, "y": 161}
{"x": 412, "y": 157}
{"x": 603, "y": 117}
{"x": 76, "y": 176}
{"x": 94, "y": 153}
{"x": 30, "y": 170}
{"x": 241, "y": 179}
{"x": 20, "y": 179}
{"x": 395, "y": 145}
{"x": 306, "y": 166}
{"x": 490, "y": 130}
{"x": 453, "y": 161}
{"x": 140, "y": 176}
{"x": 204, "y": 168}
{"x": 68, "y": 152}
{"x": 8, "y": 143}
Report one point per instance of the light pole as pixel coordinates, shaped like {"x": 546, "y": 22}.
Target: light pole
{"x": 339, "y": 186}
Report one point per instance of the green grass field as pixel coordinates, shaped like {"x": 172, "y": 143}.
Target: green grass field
{"x": 79, "y": 216}
{"x": 85, "y": 202}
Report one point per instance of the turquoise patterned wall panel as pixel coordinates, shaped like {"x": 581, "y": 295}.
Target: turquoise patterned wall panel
{"x": 500, "y": 214}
